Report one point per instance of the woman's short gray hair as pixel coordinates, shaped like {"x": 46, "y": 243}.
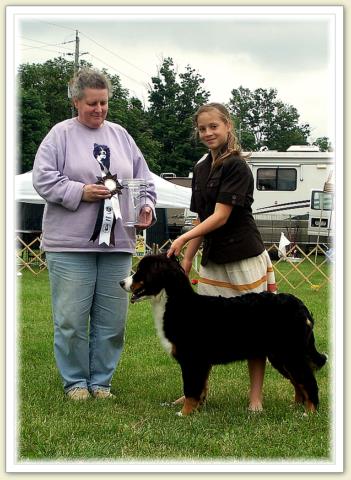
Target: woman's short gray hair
{"x": 89, "y": 78}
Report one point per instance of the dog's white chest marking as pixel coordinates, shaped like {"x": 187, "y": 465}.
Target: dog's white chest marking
{"x": 158, "y": 307}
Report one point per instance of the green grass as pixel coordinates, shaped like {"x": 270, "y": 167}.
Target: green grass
{"x": 296, "y": 274}
{"x": 135, "y": 425}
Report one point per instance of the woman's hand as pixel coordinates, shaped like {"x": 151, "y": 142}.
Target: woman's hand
{"x": 145, "y": 218}
{"x": 94, "y": 193}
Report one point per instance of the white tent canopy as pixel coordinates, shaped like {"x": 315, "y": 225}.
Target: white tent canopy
{"x": 169, "y": 195}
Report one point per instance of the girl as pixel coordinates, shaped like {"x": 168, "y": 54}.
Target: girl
{"x": 234, "y": 259}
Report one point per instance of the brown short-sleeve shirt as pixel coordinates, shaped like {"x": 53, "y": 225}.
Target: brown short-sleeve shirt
{"x": 231, "y": 183}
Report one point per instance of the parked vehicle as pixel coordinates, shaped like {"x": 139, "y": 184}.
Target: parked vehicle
{"x": 293, "y": 194}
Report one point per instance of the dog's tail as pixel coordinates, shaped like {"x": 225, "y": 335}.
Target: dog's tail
{"x": 316, "y": 359}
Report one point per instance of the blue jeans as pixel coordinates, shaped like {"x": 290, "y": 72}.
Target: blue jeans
{"x": 89, "y": 310}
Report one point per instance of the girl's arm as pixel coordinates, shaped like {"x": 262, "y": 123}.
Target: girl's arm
{"x": 218, "y": 218}
{"x": 191, "y": 249}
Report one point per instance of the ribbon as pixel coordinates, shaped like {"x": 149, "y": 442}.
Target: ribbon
{"x": 108, "y": 222}
{"x": 109, "y": 209}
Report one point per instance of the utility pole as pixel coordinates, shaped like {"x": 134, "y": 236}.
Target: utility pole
{"x": 75, "y": 68}
{"x": 76, "y": 64}
{"x": 76, "y": 54}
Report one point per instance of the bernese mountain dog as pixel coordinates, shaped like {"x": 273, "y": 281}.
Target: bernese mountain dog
{"x": 200, "y": 331}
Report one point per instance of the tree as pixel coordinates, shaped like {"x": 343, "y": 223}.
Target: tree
{"x": 324, "y": 144}
{"x": 33, "y": 124}
{"x": 50, "y": 81}
{"x": 129, "y": 113}
{"x": 118, "y": 103}
{"x": 43, "y": 99}
{"x": 138, "y": 125}
{"x": 173, "y": 102}
{"x": 263, "y": 120}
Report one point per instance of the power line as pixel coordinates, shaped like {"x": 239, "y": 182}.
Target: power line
{"x": 102, "y": 46}
{"x": 113, "y": 68}
{"x": 60, "y": 26}
{"x": 90, "y": 54}
{"x": 31, "y": 47}
{"x": 99, "y": 59}
{"x": 114, "y": 53}
{"x": 45, "y": 43}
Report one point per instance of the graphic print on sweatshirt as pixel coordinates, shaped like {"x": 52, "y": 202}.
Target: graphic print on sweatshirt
{"x": 102, "y": 155}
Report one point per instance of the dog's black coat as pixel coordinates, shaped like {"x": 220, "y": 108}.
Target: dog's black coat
{"x": 206, "y": 330}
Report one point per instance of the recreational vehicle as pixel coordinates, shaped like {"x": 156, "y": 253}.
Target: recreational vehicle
{"x": 293, "y": 194}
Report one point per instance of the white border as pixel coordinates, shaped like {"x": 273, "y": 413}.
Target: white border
{"x": 12, "y": 15}
{"x": 10, "y": 284}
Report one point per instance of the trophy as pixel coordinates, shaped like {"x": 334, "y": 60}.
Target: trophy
{"x": 132, "y": 201}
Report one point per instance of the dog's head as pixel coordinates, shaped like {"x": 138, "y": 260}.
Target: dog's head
{"x": 153, "y": 274}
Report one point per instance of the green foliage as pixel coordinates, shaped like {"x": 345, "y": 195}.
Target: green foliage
{"x": 43, "y": 99}
{"x": 118, "y": 103}
{"x": 50, "y": 81}
{"x": 164, "y": 131}
{"x": 33, "y": 126}
{"x": 263, "y": 120}
{"x": 324, "y": 144}
{"x": 173, "y": 103}
{"x": 137, "y": 123}
{"x": 134, "y": 426}
{"x": 44, "y": 102}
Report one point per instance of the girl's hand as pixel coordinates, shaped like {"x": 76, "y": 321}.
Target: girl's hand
{"x": 176, "y": 246}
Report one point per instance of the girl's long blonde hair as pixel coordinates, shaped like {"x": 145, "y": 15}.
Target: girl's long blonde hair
{"x": 232, "y": 145}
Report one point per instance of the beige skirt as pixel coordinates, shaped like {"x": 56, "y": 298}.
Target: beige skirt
{"x": 253, "y": 274}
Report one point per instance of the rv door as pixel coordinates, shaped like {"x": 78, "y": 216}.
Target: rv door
{"x": 321, "y": 215}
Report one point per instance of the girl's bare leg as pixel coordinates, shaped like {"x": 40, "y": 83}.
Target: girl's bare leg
{"x": 256, "y": 372}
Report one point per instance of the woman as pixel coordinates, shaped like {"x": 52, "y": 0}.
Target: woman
{"x": 234, "y": 259}
{"x": 87, "y": 247}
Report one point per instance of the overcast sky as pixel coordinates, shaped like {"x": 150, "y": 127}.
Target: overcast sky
{"x": 291, "y": 53}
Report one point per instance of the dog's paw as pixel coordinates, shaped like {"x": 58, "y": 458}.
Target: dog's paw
{"x": 179, "y": 401}
{"x": 179, "y": 414}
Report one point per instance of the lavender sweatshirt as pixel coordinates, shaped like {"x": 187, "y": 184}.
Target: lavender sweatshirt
{"x": 64, "y": 163}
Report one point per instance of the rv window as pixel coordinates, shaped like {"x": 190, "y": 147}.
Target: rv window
{"x": 322, "y": 201}
{"x": 276, "y": 179}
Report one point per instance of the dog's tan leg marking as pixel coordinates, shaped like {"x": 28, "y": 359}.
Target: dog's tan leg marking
{"x": 174, "y": 350}
{"x": 190, "y": 406}
{"x": 203, "y": 395}
{"x": 299, "y": 397}
{"x": 309, "y": 406}
{"x": 300, "y": 393}
{"x": 204, "y": 392}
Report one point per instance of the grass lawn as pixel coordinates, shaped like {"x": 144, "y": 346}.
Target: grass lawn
{"x": 135, "y": 426}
